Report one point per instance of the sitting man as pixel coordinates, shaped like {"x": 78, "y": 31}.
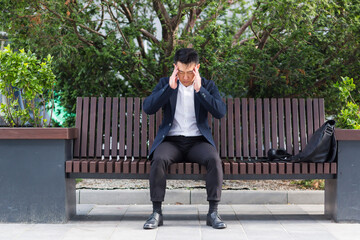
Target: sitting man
{"x": 184, "y": 134}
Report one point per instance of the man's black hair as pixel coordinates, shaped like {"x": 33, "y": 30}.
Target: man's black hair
{"x": 186, "y": 56}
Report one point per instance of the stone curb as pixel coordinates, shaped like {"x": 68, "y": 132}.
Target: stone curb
{"x": 196, "y": 196}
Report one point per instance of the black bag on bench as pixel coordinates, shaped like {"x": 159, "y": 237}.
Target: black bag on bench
{"x": 320, "y": 148}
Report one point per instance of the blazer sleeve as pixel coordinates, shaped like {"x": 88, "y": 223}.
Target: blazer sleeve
{"x": 159, "y": 96}
{"x": 210, "y": 99}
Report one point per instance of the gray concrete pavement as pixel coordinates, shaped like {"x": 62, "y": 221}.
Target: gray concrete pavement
{"x": 248, "y": 222}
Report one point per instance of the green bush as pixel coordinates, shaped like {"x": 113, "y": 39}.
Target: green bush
{"x": 22, "y": 71}
{"x": 349, "y": 116}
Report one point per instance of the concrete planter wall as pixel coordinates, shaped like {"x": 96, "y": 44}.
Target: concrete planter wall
{"x": 33, "y": 187}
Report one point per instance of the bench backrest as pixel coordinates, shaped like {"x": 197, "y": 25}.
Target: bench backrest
{"x": 250, "y": 128}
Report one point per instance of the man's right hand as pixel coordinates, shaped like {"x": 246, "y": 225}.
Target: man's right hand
{"x": 173, "y": 78}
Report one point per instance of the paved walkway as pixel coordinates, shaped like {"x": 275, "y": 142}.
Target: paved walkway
{"x": 278, "y": 222}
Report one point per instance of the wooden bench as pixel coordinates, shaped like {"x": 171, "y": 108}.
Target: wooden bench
{"x": 115, "y": 136}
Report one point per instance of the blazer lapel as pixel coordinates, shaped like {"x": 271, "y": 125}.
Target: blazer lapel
{"x": 197, "y": 106}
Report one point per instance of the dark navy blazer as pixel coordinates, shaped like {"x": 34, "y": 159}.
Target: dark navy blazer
{"x": 206, "y": 100}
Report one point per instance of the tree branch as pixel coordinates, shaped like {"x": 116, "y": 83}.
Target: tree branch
{"x": 71, "y": 20}
{"x": 150, "y": 36}
{"x": 118, "y": 26}
{"x": 102, "y": 18}
{"x": 242, "y": 29}
{"x": 264, "y": 38}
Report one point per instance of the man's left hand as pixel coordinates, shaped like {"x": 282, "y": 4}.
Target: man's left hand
{"x": 197, "y": 79}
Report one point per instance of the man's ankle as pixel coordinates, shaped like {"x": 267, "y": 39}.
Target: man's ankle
{"x": 157, "y": 207}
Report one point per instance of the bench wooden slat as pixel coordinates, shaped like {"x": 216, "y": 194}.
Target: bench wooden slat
{"x": 78, "y": 126}
{"x": 230, "y": 124}
{"x": 223, "y": 142}
{"x": 203, "y": 169}
{"x": 245, "y": 127}
{"x": 226, "y": 167}
{"x": 114, "y": 127}
{"x": 242, "y": 168}
{"x": 84, "y": 166}
{"x": 142, "y": 166}
{"x": 309, "y": 118}
{"x": 316, "y": 113}
{"x": 101, "y": 166}
{"x": 144, "y": 137}
{"x": 126, "y": 166}
{"x": 107, "y": 127}
{"x": 289, "y": 168}
{"x": 129, "y": 127}
{"x": 110, "y": 166}
{"x": 69, "y": 166}
{"x": 273, "y": 168}
{"x": 266, "y": 125}
{"x": 134, "y": 166}
{"x": 151, "y": 129}
{"x": 302, "y": 123}
{"x": 288, "y": 115}
{"x": 333, "y": 169}
{"x": 259, "y": 128}
{"x": 265, "y": 168}
{"x": 250, "y": 168}
{"x": 196, "y": 168}
{"x": 312, "y": 168}
{"x": 326, "y": 168}
{"x": 252, "y": 127}
{"x": 281, "y": 168}
{"x": 304, "y": 168}
{"x": 181, "y": 167}
{"x": 319, "y": 168}
{"x": 147, "y": 164}
{"x": 234, "y": 167}
{"x": 92, "y": 127}
{"x": 93, "y": 166}
{"x": 274, "y": 115}
{"x": 99, "y": 129}
{"x": 84, "y": 127}
{"x": 237, "y": 128}
{"x": 76, "y": 166}
{"x": 188, "y": 168}
{"x": 281, "y": 123}
{"x": 295, "y": 125}
{"x": 136, "y": 127}
{"x": 258, "y": 168}
{"x": 173, "y": 168}
{"x": 322, "y": 111}
{"x": 122, "y": 127}
{"x": 118, "y": 166}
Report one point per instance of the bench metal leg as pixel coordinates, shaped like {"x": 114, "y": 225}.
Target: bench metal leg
{"x": 342, "y": 195}
{"x": 33, "y": 187}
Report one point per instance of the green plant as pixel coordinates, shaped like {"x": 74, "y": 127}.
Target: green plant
{"x": 316, "y": 184}
{"x": 21, "y": 72}
{"x": 349, "y": 116}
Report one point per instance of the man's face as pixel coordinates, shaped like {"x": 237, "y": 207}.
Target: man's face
{"x": 185, "y": 72}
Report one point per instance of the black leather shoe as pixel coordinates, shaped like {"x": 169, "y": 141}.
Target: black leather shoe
{"x": 213, "y": 219}
{"x": 155, "y": 220}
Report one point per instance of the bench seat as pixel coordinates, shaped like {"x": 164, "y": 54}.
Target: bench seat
{"x": 140, "y": 168}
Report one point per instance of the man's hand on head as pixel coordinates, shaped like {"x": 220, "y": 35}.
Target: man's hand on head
{"x": 197, "y": 79}
{"x": 173, "y": 78}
